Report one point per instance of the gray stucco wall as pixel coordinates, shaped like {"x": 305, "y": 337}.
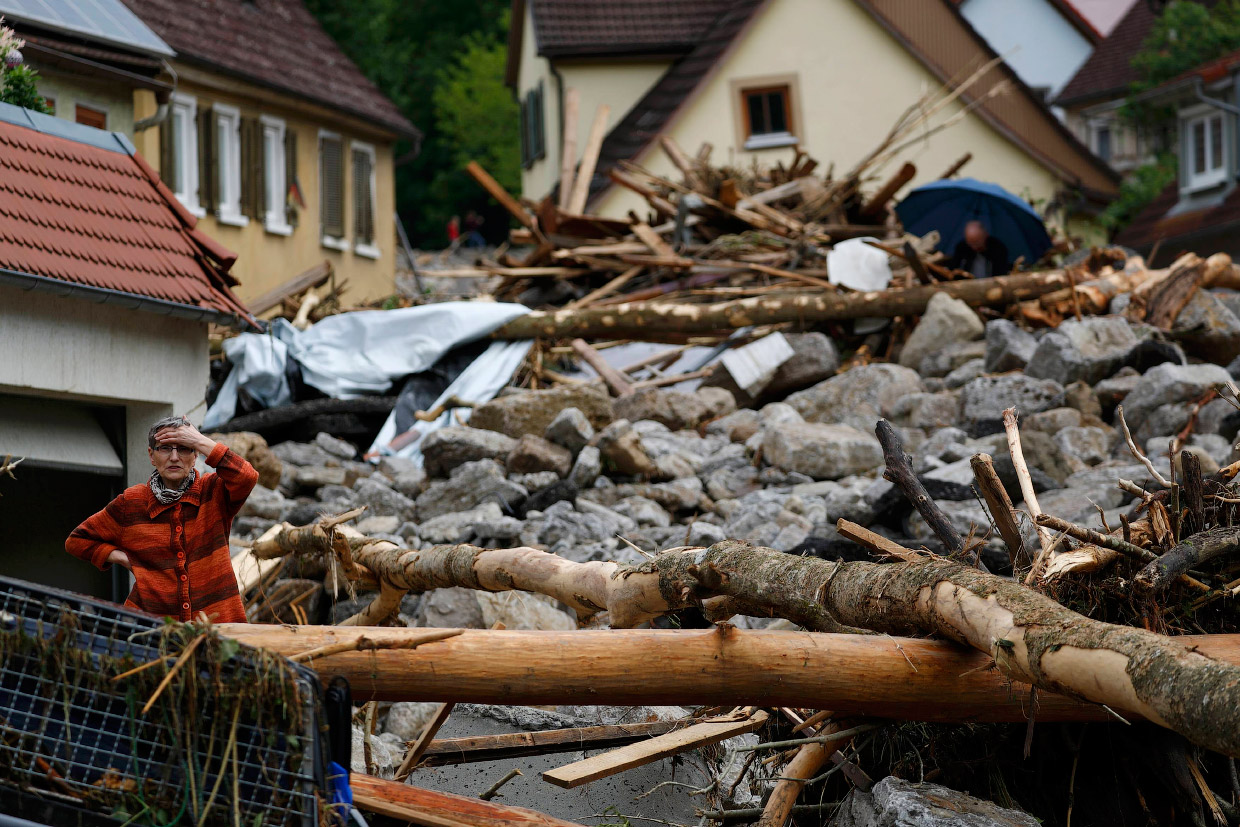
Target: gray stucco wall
{"x": 70, "y": 348}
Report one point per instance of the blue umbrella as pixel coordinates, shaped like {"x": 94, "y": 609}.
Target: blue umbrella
{"x": 948, "y": 205}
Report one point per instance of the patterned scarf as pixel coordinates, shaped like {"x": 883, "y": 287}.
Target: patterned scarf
{"x": 167, "y": 495}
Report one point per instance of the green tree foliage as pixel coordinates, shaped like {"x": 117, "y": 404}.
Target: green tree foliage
{"x": 477, "y": 117}
{"x": 1186, "y": 34}
{"x": 1140, "y": 188}
{"x": 407, "y": 49}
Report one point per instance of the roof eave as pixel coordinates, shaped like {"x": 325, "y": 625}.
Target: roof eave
{"x": 120, "y": 298}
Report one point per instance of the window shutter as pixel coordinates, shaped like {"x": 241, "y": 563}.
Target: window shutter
{"x": 290, "y": 176}
{"x": 539, "y": 130}
{"x": 253, "y": 184}
{"x": 331, "y": 187}
{"x": 525, "y": 131}
{"x": 208, "y": 160}
{"x": 167, "y": 152}
{"x": 363, "y": 203}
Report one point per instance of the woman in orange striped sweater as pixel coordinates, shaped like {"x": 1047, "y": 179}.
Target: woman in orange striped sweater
{"x": 172, "y": 531}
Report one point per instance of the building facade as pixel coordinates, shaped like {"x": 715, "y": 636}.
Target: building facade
{"x": 758, "y": 81}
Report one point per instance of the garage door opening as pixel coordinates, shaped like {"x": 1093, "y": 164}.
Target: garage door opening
{"x": 72, "y": 467}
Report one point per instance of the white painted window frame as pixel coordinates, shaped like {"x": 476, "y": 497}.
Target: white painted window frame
{"x": 330, "y": 242}
{"x": 1212, "y": 177}
{"x": 185, "y": 153}
{"x": 228, "y": 142}
{"x": 275, "y": 186}
{"x": 372, "y": 250}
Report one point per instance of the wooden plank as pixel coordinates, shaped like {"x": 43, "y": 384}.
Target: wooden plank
{"x": 432, "y": 808}
{"x": 314, "y": 277}
{"x": 450, "y": 751}
{"x": 618, "y": 382}
{"x": 606, "y": 290}
{"x": 497, "y": 191}
{"x": 568, "y": 150}
{"x": 510, "y": 272}
{"x": 418, "y": 747}
{"x": 661, "y": 205}
{"x": 646, "y": 752}
{"x": 589, "y": 158}
{"x": 653, "y": 240}
{"x": 681, "y": 162}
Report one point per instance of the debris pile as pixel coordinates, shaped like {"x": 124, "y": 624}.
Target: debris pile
{"x": 778, "y": 450}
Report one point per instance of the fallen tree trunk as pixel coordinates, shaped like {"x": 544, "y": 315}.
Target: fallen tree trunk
{"x": 876, "y": 676}
{"x": 1032, "y": 638}
{"x": 637, "y": 319}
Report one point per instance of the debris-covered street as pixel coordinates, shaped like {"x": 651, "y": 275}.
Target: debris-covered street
{"x": 707, "y": 472}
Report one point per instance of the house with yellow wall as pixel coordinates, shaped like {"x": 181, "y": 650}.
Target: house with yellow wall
{"x": 275, "y": 141}
{"x": 760, "y": 79}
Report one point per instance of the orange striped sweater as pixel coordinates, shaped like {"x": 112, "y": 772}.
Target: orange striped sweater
{"x": 179, "y": 551}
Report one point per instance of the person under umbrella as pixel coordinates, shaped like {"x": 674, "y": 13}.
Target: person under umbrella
{"x": 980, "y": 253}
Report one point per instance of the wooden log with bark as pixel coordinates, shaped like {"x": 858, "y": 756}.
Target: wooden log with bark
{"x": 871, "y": 675}
{"x": 638, "y": 319}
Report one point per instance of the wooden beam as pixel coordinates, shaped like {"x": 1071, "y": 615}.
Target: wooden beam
{"x": 589, "y": 158}
{"x": 653, "y": 240}
{"x": 711, "y": 731}
{"x": 662, "y": 206}
{"x": 617, "y": 381}
{"x": 450, "y": 751}
{"x": 314, "y": 277}
{"x": 681, "y": 162}
{"x": 875, "y": 206}
{"x": 418, "y": 747}
{"x": 496, "y": 191}
{"x": 878, "y": 676}
{"x": 568, "y": 149}
{"x": 432, "y": 808}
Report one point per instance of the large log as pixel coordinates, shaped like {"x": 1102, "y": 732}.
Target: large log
{"x": 636, "y": 319}
{"x": 1031, "y": 638}
{"x": 878, "y": 676}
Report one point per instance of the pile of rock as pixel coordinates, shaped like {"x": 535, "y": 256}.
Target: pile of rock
{"x": 592, "y": 478}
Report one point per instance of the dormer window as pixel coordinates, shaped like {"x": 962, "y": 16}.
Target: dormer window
{"x": 1205, "y": 150}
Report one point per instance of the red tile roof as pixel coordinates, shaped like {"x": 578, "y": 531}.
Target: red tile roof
{"x": 1108, "y": 71}
{"x": 1154, "y": 224}
{"x": 588, "y": 27}
{"x": 82, "y": 214}
{"x": 275, "y": 43}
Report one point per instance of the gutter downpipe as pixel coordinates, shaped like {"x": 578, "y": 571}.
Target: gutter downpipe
{"x": 163, "y": 108}
{"x": 559, "y": 96}
{"x": 105, "y": 295}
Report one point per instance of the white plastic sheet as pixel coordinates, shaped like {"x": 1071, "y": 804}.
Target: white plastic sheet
{"x": 479, "y": 382}
{"x": 353, "y": 354}
{"x": 858, "y": 266}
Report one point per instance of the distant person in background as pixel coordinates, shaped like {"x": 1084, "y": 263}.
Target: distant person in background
{"x": 980, "y": 253}
{"x": 454, "y": 230}
{"x": 472, "y": 227}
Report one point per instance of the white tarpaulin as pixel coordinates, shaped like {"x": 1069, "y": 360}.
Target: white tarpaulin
{"x": 479, "y": 382}
{"x": 352, "y": 354}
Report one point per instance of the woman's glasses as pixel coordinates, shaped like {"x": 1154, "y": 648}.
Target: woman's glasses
{"x": 166, "y": 450}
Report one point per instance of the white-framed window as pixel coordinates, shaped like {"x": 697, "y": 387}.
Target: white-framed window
{"x": 182, "y": 158}
{"x": 1205, "y": 150}
{"x": 228, "y": 147}
{"x": 331, "y": 191}
{"x": 1103, "y": 141}
{"x": 275, "y": 185}
{"x": 363, "y": 158}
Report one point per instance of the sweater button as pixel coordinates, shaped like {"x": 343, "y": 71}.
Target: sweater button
{"x": 184, "y": 578}
{"x": 184, "y": 605}
{"x": 178, "y": 529}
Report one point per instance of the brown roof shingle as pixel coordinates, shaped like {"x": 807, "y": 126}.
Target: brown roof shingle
{"x": 79, "y": 213}
{"x": 1108, "y": 72}
{"x": 566, "y": 28}
{"x": 275, "y": 43}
